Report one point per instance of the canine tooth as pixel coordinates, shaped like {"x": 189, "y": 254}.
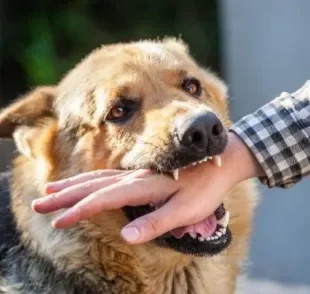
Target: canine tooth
{"x": 224, "y": 220}
{"x": 223, "y": 231}
{"x": 217, "y": 160}
{"x": 193, "y": 235}
{"x": 219, "y": 234}
{"x": 201, "y": 239}
{"x": 176, "y": 174}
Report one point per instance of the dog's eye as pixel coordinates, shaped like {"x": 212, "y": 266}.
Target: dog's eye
{"x": 192, "y": 86}
{"x": 117, "y": 112}
{"x": 122, "y": 111}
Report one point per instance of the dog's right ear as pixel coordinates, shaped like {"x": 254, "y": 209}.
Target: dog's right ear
{"x": 20, "y": 119}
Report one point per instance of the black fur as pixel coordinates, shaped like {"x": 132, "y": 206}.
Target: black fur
{"x": 25, "y": 269}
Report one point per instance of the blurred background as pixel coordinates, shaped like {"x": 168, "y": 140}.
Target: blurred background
{"x": 260, "y": 48}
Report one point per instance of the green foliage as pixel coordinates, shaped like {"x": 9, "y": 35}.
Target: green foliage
{"x": 48, "y": 37}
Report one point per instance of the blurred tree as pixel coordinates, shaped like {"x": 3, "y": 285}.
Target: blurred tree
{"x": 41, "y": 40}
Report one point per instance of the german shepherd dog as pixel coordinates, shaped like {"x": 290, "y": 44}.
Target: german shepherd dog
{"x": 145, "y": 104}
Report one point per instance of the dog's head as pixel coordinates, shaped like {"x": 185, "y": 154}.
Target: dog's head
{"x": 128, "y": 106}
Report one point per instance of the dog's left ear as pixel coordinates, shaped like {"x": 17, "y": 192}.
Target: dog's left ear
{"x": 21, "y": 120}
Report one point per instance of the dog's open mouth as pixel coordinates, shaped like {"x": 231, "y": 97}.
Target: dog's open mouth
{"x": 207, "y": 237}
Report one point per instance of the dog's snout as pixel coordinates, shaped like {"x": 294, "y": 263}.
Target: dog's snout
{"x": 201, "y": 133}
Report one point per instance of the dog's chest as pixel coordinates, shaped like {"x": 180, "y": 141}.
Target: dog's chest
{"x": 197, "y": 278}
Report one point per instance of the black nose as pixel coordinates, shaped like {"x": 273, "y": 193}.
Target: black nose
{"x": 201, "y": 133}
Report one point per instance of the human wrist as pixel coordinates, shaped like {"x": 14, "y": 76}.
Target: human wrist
{"x": 239, "y": 160}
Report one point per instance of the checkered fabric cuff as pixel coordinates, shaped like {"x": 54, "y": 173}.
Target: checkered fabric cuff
{"x": 278, "y": 134}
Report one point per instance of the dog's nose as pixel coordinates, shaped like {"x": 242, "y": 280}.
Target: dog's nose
{"x": 202, "y": 133}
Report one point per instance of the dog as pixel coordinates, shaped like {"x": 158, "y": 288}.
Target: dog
{"x": 144, "y": 104}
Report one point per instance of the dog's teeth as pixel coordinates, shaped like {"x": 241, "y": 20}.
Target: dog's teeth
{"x": 194, "y": 163}
{"x": 217, "y": 160}
{"x": 201, "y": 239}
{"x": 152, "y": 204}
{"x": 224, "y": 220}
{"x": 176, "y": 174}
{"x": 219, "y": 234}
{"x": 206, "y": 159}
{"x": 193, "y": 235}
{"x": 223, "y": 231}
{"x": 208, "y": 239}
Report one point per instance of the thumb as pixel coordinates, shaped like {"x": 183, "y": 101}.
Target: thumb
{"x": 154, "y": 224}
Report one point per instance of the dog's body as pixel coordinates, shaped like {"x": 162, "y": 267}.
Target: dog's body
{"x": 60, "y": 137}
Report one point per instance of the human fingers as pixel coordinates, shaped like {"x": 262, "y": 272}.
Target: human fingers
{"x": 132, "y": 192}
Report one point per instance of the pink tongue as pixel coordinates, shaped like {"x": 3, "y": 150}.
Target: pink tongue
{"x": 205, "y": 228}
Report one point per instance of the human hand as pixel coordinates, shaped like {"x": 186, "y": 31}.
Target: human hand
{"x": 195, "y": 196}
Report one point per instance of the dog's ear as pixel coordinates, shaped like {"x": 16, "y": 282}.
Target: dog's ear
{"x": 21, "y": 119}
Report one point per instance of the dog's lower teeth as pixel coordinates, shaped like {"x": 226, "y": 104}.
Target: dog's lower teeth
{"x": 193, "y": 235}
{"x": 223, "y": 222}
{"x": 223, "y": 231}
{"x": 220, "y": 231}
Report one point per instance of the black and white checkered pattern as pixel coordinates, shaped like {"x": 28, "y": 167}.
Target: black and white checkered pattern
{"x": 278, "y": 134}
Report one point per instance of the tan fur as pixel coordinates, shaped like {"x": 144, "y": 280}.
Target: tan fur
{"x": 151, "y": 70}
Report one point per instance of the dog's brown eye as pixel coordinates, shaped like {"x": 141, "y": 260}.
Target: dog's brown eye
{"x": 117, "y": 112}
{"x": 123, "y": 111}
{"x": 192, "y": 86}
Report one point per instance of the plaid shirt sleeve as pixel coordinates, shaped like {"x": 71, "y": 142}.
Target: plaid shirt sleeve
{"x": 278, "y": 134}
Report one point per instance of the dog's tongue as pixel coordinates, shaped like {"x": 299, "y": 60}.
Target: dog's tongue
{"x": 205, "y": 228}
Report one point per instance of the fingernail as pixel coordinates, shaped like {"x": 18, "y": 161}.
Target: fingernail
{"x": 37, "y": 202}
{"x": 54, "y": 224}
{"x": 33, "y": 204}
{"x": 41, "y": 200}
{"x": 130, "y": 234}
